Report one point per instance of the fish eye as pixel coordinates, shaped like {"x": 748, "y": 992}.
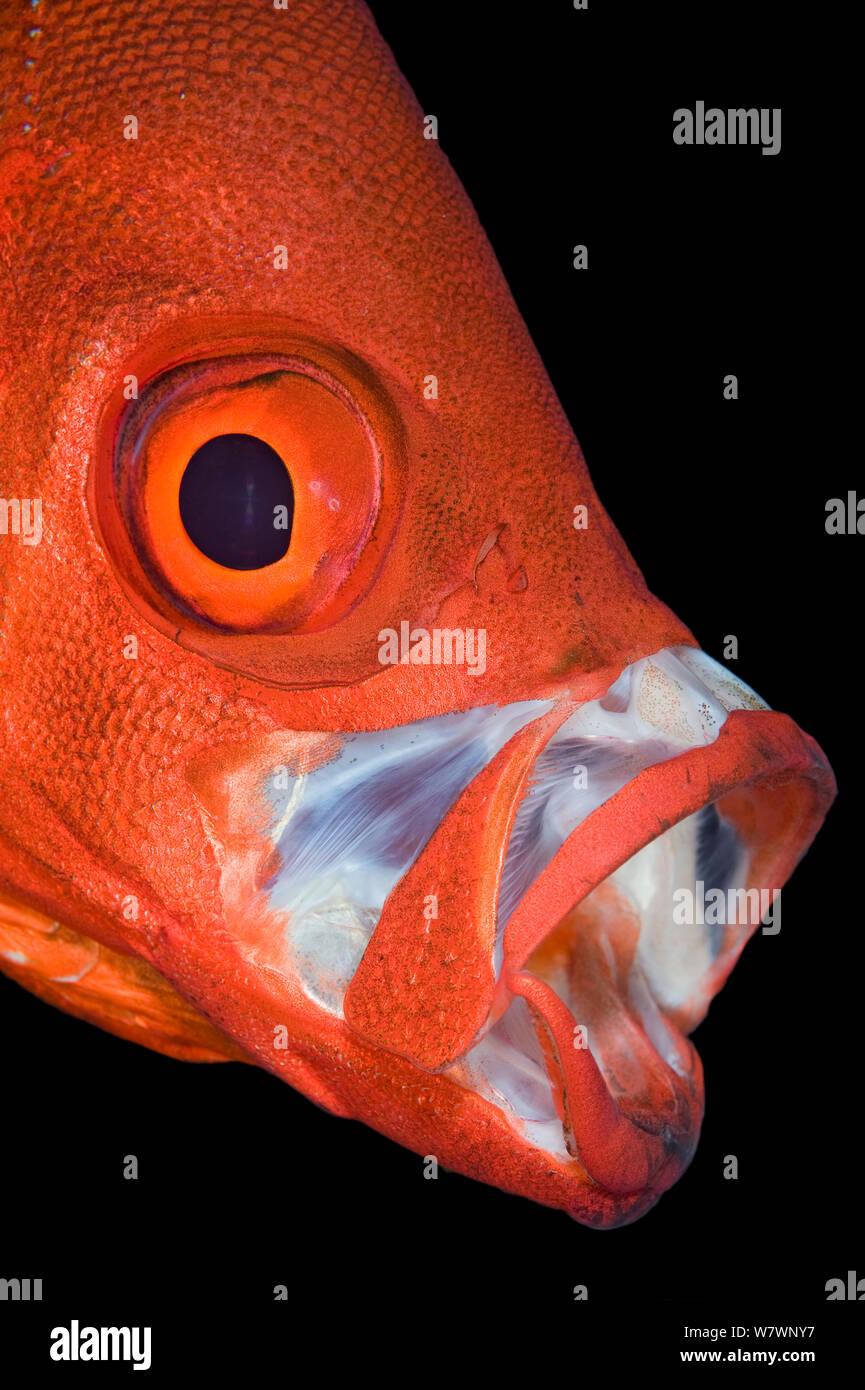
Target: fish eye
{"x": 248, "y": 488}
{"x": 237, "y": 502}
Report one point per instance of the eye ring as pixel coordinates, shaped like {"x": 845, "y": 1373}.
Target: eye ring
{"x": 331, "y": 457}
{"x": 335, "y": 644}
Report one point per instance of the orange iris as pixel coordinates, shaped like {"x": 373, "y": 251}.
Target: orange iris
{"x": 332, "y": 460}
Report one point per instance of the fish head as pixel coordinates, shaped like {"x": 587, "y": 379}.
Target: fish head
{"x": 340, "y": 732}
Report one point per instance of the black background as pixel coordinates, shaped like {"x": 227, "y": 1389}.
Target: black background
{"x": 702, "y": 262}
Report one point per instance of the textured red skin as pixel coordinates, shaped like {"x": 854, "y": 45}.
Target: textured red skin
{"x": 136, "y": 256}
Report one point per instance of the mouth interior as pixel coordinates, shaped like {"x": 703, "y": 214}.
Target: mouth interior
{"x": 345, "y": 833}
{"x": 622, "y": 965}
{"x": 656, "y": 709}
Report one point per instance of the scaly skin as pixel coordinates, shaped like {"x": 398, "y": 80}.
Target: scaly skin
{"x": 260, "y": 128}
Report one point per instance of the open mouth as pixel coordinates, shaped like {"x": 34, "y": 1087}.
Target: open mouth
{"x": 622, "y": 967}
{"x": 345, "y": 833}
{"x": 534, "y": 903}
{"x": 588, "y": 971}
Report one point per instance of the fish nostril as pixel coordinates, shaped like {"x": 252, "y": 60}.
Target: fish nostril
{"x": 237, "y": 502}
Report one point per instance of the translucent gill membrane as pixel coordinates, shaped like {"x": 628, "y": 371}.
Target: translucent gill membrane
{"x": 349, "y": 830}
{"x": 658, "y": 707}
{"x": 507, "y": 1067}
{"x": 674, "y": 959}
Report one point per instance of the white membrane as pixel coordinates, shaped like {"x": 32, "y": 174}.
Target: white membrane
{"x": 657, "y": 709}
{"x": 349, "y": 830}
{"x": 507, "y": 1068}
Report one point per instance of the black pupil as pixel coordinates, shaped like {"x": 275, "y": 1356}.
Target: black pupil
{"x": 237, "y": 502}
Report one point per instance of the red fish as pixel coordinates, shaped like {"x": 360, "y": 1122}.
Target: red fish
{"x": 339, "y": 730}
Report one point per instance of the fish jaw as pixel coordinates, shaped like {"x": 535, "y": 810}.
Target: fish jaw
{"x": 419, "y": 1043}
{"x": 401, "y": 1051}
{"x": 401, "y": 1048}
